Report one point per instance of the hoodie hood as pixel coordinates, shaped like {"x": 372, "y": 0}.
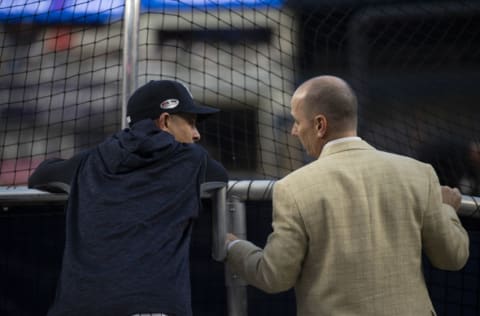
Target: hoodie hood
{"x": 136, "y": 147}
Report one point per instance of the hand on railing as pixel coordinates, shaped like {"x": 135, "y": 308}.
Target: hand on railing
{"x": 229, "y": 238}
{"x": 452, "y": 197}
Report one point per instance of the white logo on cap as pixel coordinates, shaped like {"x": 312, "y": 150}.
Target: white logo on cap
{"x": 169, "y": 104}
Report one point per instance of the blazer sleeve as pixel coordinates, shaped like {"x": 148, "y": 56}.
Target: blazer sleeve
{"x": 444, "y": 239}
{"x": 277, "y": 267}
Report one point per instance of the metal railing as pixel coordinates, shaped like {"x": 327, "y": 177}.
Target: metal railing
{"x": 228, "y": 215}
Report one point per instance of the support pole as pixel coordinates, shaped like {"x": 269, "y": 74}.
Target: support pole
{"x": 217, "y": 191}
{"x": 236, "y": 287}
{"x": 130, "y": 53}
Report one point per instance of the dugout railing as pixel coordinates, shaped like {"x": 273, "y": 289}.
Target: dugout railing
{"x": 229, "y": 214}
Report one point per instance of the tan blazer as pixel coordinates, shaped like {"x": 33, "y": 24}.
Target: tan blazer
{"x": 348, "y": 233}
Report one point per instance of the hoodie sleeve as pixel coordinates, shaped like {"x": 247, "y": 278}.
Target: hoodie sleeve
{"x": 55, "y": 174}
{"x": 215, "y": 171}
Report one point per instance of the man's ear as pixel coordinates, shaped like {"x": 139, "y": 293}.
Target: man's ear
{"x": 320, "y": 122}
{"x": 162, "y": 121}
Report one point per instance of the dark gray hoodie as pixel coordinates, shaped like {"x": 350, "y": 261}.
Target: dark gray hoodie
{"x": 131, "y": 206}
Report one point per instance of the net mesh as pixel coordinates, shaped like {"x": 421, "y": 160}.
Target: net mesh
{"x": 413, "y": 64}
{"x": 414, "y": 67}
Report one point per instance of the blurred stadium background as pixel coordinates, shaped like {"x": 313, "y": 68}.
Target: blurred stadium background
{"x": 415, "y": 66}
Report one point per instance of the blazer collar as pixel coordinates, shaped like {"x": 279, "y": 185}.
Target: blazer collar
{"x": 344, "y": 146}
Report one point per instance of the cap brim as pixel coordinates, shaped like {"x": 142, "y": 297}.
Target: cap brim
{"x": 202, "y": 111}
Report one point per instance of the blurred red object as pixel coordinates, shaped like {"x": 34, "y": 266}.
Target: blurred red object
{"x": 17, "y": 171}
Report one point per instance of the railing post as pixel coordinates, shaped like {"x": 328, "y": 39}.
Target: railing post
{"x": 217, "y": 191}
{"x": 236, "y": 287}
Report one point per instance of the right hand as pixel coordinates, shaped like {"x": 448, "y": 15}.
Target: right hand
{"x": 451, "y": 196}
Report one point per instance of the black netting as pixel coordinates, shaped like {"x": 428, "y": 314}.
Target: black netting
{"x": 415, "y": 66}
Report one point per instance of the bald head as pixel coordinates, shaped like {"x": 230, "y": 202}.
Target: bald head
{"x": 331, "y": 97}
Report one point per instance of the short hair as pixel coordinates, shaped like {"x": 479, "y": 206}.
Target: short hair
{"x": 332, "y": 97}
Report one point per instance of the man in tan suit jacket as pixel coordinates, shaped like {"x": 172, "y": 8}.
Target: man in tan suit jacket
{"x": 349, "y": 228}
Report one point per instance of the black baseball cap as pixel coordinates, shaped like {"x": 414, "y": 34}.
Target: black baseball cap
{"x": 158, "y": 96}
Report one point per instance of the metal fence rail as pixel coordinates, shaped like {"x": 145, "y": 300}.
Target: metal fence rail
{"x": 228, "y": 214}
{"x": 245, "y": 190}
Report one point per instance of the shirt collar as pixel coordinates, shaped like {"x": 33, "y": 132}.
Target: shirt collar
{"x": 342, "y": 140}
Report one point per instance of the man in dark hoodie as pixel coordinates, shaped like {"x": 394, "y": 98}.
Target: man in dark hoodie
{"x": 131, "y": 205}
